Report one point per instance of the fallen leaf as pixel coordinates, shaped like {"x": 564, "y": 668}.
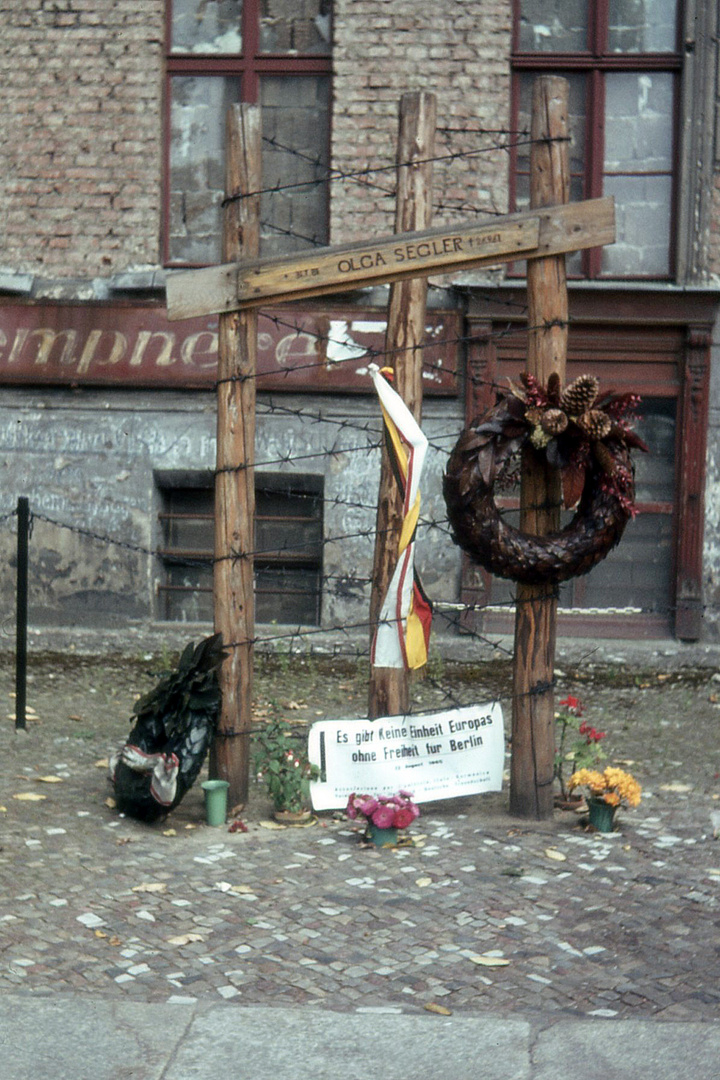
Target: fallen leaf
{"x": 49, "y": 779}
{"x": 124, "y": 840}
{"x": 241, "y": 889}
{"x": 169, "y": 832}
{"x": 150, "y": 886}
{"x": 553, "y": 853}
{"x": 296, "y": 705}
{"x": 75, "y": 717}
{"x": 110, "y": 802}
{"x": 29, "y": 796}
{"x": 100, "y": 933}
{"x": 271, "y": 825}
{"x": 185, "y": 939}
{"x": 487, "y": 961}
{"x": 114, "y": 940}
{"x": 3, "y": 809}
{"x": 422, "y": 882}
{"x": 433, "y": 1007}
{"x": 102, "y": 763}
{"x": 675, "y": 786}
{"x": 190, "y": 825}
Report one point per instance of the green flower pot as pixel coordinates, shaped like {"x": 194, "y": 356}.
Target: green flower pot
{"x": 602, "y": 815}
{"x": 381, "y": 837}
{"x": 216, "y": 792}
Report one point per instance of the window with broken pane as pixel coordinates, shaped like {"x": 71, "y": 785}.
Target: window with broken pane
{"x": 620, "y": 59}
{"x": 272, "y": 52}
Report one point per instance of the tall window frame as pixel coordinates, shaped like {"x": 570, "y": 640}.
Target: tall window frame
{"x": 594, "y": 63}
{"x": 247, "y": 66}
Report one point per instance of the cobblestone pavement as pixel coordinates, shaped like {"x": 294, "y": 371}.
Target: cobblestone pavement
{"x": 586, "y": 925}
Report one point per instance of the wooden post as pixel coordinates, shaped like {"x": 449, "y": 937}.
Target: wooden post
{"x": 235, "y": 477}
{"x": 533, "y": 723}
{"x": 21, "y": 612}
{"x": 388, "y": 692}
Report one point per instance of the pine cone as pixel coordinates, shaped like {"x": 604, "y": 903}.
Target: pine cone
{"x": 595, "y": 424}
{"x": 553, "y": 421}
{"x": 579, "y": 396}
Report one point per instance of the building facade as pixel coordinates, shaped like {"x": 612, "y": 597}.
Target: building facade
{"x": 112, "y": 179}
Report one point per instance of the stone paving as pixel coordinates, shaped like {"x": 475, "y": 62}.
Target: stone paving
{"x": 484, "y": 914}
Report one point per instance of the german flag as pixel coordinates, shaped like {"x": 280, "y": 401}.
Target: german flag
{"x": 403, "y": 633}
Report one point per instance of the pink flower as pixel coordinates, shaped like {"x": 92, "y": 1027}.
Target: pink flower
{"x": 366, "y": 804}
{"x": 404, "y": 817}
{"x": 384, "y": 816}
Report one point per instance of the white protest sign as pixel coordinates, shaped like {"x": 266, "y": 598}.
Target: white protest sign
{"x": 435, "y": 756}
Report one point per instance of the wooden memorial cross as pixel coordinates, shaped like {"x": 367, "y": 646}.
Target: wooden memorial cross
{"x": 542, "y": 235}
{"x": 533, "y": 234}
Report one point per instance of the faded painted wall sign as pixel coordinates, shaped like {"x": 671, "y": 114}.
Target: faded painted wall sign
{"x": 120, "y": 344}
{"x": 435, "y": 756}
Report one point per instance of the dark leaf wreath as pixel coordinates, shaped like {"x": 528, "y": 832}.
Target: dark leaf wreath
{"x": 587, "y": 437}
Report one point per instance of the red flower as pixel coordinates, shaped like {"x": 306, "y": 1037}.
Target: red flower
{"x": 574, "y": 705}
{"x": 405, "y": 816}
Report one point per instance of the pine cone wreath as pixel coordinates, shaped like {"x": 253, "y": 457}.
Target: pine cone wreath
{"x": 590, "y": 446}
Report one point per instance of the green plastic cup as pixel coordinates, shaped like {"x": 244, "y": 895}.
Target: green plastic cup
{"x": 216, "y": 792}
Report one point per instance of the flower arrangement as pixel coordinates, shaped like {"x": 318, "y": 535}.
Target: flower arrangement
{"x": 612, "y": 786}
{"x": 282, "y": 762}
{"x": 578, "y": 741}
{"x": 577, "y": 429}
{"x": 383, "y": 811}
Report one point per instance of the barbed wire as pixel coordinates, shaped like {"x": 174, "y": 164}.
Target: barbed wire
{"x": 451, "y": 611}
{"x": 370, "y": 353}
{"x": 457, "y": 206}
{"x": 334, "y": 175}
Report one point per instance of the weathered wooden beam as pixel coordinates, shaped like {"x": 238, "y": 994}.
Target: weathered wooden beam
{"x": 389, "y": 687}
{"x": 528, "y": 235}
{"x": 233, "y": 597}
{"x": 533, "y": 720}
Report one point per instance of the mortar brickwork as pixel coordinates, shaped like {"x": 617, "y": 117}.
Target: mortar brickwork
{"x": 458, "y": 51}
{"x": 80, "y": 129}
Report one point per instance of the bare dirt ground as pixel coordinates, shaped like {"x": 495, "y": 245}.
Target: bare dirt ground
{"x": 665, "y": 722}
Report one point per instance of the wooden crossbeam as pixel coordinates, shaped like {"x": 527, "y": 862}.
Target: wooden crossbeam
{"x": 532, "y": 234}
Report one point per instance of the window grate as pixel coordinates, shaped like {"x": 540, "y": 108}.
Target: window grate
{"x": 287, "y": 556}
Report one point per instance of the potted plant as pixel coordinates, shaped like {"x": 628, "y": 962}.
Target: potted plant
{"x": 385, "y": 815}
{"x": 577, "y": 742}
{"x": 607, "y": 790}
{"x": 282, "y": 762}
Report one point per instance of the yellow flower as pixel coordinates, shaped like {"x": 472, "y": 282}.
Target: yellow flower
{"x": 613, "y": 785}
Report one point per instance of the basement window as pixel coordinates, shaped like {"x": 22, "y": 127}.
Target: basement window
{"x": 288, "y": 549}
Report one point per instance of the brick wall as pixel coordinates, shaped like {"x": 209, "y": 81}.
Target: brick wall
{"x": 80, "y": 130}
{"x": 456, "y": 49}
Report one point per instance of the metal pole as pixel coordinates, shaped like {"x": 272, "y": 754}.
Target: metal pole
{"x": 21, "y": 606}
